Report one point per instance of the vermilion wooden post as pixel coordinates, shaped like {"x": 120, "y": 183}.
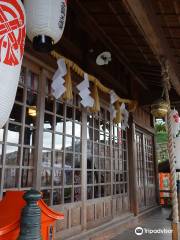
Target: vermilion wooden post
{"x": 30, "y": 225}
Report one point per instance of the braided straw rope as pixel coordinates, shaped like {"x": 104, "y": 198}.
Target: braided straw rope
{"x": 171, "y": 149}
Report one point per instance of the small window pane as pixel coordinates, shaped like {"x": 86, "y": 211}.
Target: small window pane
{"x": 77, "y": 161}
{"x": 68, "y": 177}
{"x": 19, "y": 94}
{"x": 46, "y": 177}
{"x": 11, "y": 178}
{"x": 89, "y": 177}
{"x": 67, "y": 195}
{"x": 58, "y": 162}
{"x": 77, "y": 145}
{"x": 69, "y": 126}
{"x": 28, "y": 159}
{"x": 57, "y": 177}
{"x": 68, "y": 143}
{"x": 59, "y": 125}
{"x": 46, "y": 158}
{"x": 69, "y": 112}
{"x": 57, "y": 196}
{"x": 29, "y": 136}
{"x": 77, "y": 130}
{"x": 12, "y": 155}
{"x": 77, "y": 194}
{"x": 68, "y": 161}
{"x": 27, "y": 178}
{"x": 58, "y": 141}
{"x": 14, "y": 133}
{"x": 49, "y": 105}
{"x": 48, "y": 121}
{"x": 89, "y": 192}
{"x": 16, "y": 113}
{"x": 47, "y": 140}
{"x": 77, "y": 177}
{"x": 59, "y": 109}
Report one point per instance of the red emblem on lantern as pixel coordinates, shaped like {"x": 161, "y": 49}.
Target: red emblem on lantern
{"x": 12, "y": 32}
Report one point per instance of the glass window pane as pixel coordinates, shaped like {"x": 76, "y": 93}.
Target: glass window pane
{"x": 89, "y": 192}
{"x": 58, "y": 141}
{"x": 68, "y": 177}
{"x": 12, "y": 155}
{"x": 69, "y": 126}
{"x": 77, "y": 194}
{"x": 31, "y": 98}
{"x": 77, "y": 145}
{"x": 77, "y": 161}
{"x": 57, "y": 196}
{"x": 16, "y": 113}
{"x": 27, "y": 178}
{"x": 57, "y": 177}
{"x": 49, "y": 104}
{"x": 59, "y": 109}
{"x": 11, "y": 177}
{"x": 48, "y": 121}
{"x": 13, "y": 135}
{"x": 47, "y": 140}
{"x": 67, "y": 195}
{"x": 47, "y": 196}
{"x": 89, "y": 177}
{"x": 46, "y": 177}
{"x": 78, "y": 116}
{"x": 69, "y": 112}
{"x": 29, "y": 136}
{"x": 58, "y": 161}
{"x": 68, "y": 143}
{"x": 77, "y": 177}
{"x": 77, "y": 130}
{"x": 68, "y": 161}
{"x": 28, "y": 159}
{"x": 59, "y": 125}
{"x": 46, "y": 158}
{"x": 19, "y": 94}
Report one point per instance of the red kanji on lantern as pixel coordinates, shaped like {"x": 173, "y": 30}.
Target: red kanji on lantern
{"x": 12, "y": 32}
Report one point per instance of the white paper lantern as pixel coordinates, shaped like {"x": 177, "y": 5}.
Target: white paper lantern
{"x": 177, "y": 152}
{"x": 45, "y": 22}
{"x": 12, "y": 40}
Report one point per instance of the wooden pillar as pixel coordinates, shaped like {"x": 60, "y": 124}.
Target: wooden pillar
{"x": 133, "y": 186}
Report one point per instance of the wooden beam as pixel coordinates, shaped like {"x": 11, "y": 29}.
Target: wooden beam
{"x": 107, "y": 41}
{"x": 144, "y": 15}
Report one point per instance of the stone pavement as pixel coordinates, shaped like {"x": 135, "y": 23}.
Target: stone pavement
{"x": 157, "y": 221}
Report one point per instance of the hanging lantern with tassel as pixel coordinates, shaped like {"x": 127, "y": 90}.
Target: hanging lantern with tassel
{"x": 12, "y": 40}
{"x": 45, "y": 22}
{"x": 159, "y": 108}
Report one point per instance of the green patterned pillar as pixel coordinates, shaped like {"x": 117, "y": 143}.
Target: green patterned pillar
{"x": 30, "y": 223}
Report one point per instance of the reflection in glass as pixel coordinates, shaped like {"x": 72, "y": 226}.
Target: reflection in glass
{"x": 58, "y": 161}
{"x": 69, "y": 126}
{"x": 47, "y": 196}
{"x": 77, "y": 145}
{"x": 46, "y": 177}
{"x": 68, "y": 143}
{"x": 27, "y": 178}
{"x": 57, "y": 177}
{"x": 68, "y": 160}
{"x": 57, "y": 196}
{"x": 89, "y": 192}
{"x": 29, "y": 136}
{"x": 68, "y": 177}
{"x": 27, "y": 159}
{"x": 16, "y": 113}
{"x": 11, "y": 178}
{"x": 48, "y": 121}
{"x": 77, "y": 194}
{"x": 59, "y": 125}
{"x": 89, "y": 177}
{"x": 12, "y": 155}
{"x": 47, "y": 140}
{"x": 46, "y": 158}
{"x": 77, "y": 177}
{"x": 77, "y": 130}
{"x": 77, "y": 161}
{"x": 58, "y": 141}
{"x": 96, "y": 163}
{"x": 14, "y": 132}
{"x": 67, "y": 195}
